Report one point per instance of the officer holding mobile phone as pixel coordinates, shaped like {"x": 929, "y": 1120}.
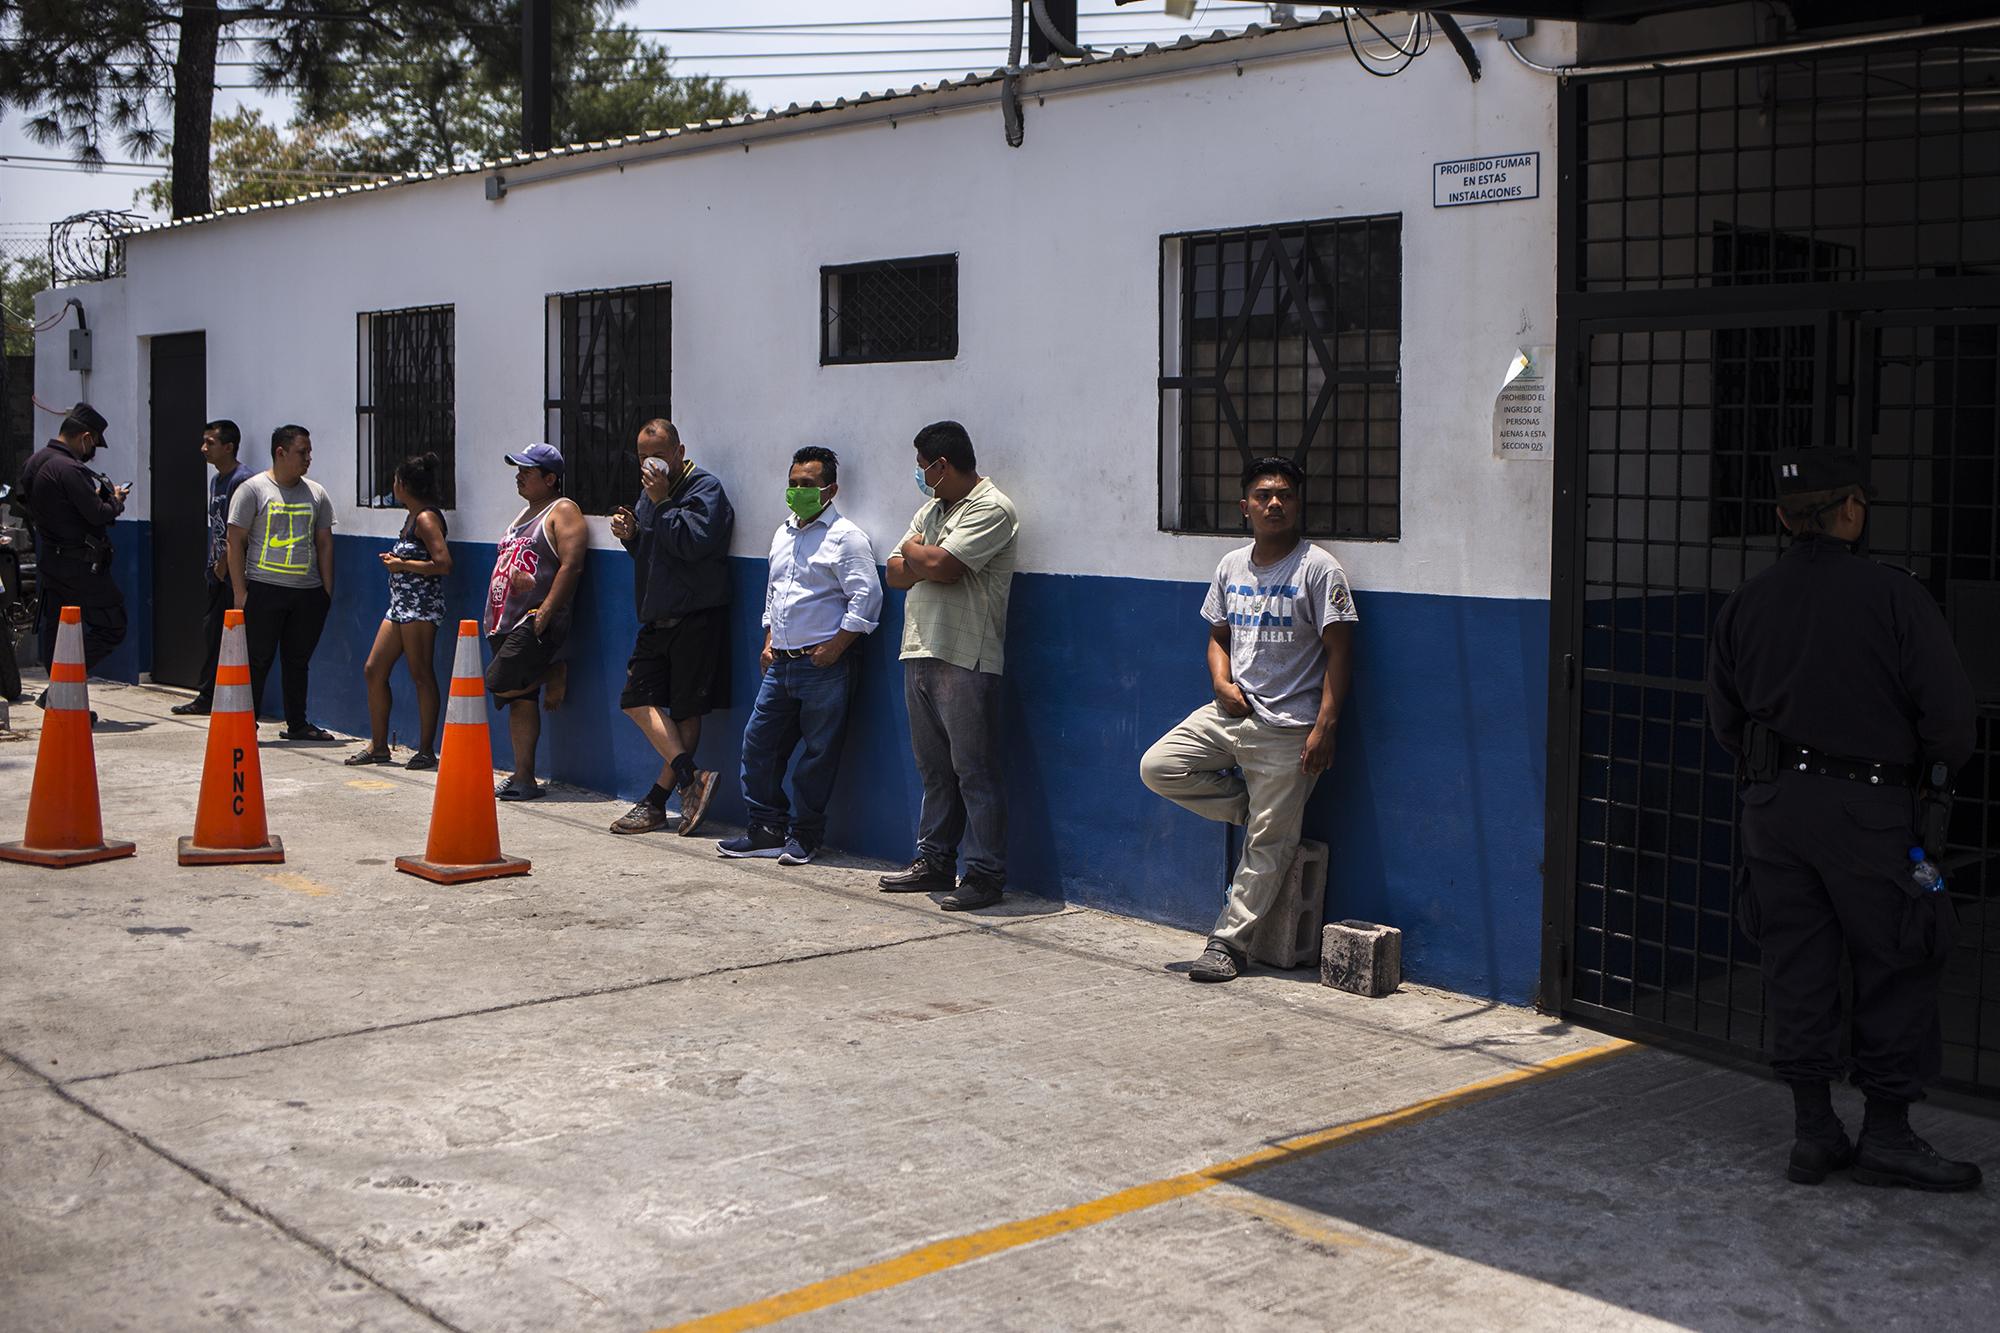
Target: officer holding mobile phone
{"x": 73, "y": 509}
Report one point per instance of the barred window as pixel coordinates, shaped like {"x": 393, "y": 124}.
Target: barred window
{"x": 1283, "y": 340}
{"x": 406, "y": 392}
{"x": 889, "y": 310}
{"x": 610, "y": 370}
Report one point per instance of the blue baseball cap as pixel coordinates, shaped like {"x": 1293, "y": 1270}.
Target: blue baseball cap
{"x": 544, "y": 456}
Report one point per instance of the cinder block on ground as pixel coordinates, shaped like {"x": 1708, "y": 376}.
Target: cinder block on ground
{"x": 1288, "y": 936}
{"x": 1362, "y": 957}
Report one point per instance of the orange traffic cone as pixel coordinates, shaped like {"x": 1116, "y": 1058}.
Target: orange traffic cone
{"x": 465, "y": 821}
{"x": 229, "y": 824}
{"x": 65, "y": 827}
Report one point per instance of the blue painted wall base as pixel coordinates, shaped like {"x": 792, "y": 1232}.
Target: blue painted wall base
{"x": 1433, "y": 810}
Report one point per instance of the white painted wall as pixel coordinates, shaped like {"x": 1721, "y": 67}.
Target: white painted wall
{"x": 1059, "y": 245}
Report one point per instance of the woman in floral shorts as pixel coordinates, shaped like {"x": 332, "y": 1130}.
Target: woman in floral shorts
{"x": 417, "y": 566}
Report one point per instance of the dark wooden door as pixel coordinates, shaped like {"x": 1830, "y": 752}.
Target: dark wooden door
{"x": 180, "y": 506}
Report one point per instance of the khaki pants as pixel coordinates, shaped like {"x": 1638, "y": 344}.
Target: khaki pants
{"x": 1187, "y": 766}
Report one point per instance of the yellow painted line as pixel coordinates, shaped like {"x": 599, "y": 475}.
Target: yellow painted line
{"x": 1301, "y": 1222}
{"x": 944, "y": 1254}
{"x": 296, "y": 883}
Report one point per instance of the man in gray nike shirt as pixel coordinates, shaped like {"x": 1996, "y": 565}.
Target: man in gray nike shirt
{"x": 1281, "y": 625}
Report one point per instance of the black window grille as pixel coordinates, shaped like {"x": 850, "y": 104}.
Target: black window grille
{"x": 889, "y": 310}
{"x": 1879, "y": 164}
{"x": 610, "y": 371}
{"x": 1289, "y": 343}
{"x": 406, "y": 398}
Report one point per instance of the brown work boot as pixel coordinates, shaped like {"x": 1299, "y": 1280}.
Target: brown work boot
{"x": 695, "y": 794}
{"x": 641, "y": 818}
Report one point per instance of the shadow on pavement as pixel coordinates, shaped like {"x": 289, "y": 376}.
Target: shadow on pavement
{"x": 1655, "y": 1183}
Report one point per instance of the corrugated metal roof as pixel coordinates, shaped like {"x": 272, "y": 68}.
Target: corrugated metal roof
{"x": 753, "y": 120}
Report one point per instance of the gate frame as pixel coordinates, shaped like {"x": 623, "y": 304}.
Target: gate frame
{"x": 1578, "y": 314}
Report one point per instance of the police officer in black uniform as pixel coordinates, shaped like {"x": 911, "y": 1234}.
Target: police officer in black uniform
{"x": 1835, "y": 683}
{"x": 73, "y": 509}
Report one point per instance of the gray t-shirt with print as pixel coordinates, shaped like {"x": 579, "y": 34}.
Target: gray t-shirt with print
{"x": 282, "y": 522}
{"x": 1276, "y": 614}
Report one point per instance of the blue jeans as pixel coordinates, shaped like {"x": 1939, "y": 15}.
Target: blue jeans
{"x": 796, "y": 701}
{"x": 955, "y": 736}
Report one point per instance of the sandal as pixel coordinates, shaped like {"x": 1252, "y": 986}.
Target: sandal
{"x": 512, "y": 791}
{"x": 309, "y": 732}
{"x": 360, "y": 757}
{"x": 422, "y": 759}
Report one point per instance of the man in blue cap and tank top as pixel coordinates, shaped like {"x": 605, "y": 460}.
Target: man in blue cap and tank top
{"x": 528, "y": 608}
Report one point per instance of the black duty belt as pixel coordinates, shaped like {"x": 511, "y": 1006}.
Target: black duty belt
{"x": 1804, "y": 759}
{"x": 797, "y": 652}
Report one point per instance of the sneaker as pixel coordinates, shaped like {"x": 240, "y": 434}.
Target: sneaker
{"x": 1217, "y": 963}
{"x": 192, "y": 708}
{"x": 641, "y": 818}
{"x": 759, "y": 841}
{"x": 974, "y": 892}
{"x": 513, "y": 790}
{"x": 798, "y": 851}
{"x": 421, "y": 760}
{"x": 922, "y": 875}
{"x": 1899, "y": 1158}
{"x": 695, "y": 794}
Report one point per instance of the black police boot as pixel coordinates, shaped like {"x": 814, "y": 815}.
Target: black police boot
{"x": 1891, "y": 1154}
{"x": 1820, "y": 1145}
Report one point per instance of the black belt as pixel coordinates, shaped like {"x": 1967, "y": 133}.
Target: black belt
{"x": 1804, "y": 759}
{"x": 797, "y": 652}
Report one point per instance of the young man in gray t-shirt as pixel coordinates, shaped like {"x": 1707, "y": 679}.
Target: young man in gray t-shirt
{"x": 1281, "y": 624}
{"x": 280, "y": 537}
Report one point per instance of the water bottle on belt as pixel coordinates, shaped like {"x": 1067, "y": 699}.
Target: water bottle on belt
{"x": 1924, "y": 872}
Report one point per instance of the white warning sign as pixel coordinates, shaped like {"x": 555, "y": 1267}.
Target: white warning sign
{"x": 1524, "y": 411}
{"x": 1486, "y": 180}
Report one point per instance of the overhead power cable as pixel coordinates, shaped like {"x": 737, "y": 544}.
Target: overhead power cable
{"x": 10, "y": 158}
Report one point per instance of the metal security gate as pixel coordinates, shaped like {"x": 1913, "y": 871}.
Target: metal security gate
{"x": 1760, "y": 255}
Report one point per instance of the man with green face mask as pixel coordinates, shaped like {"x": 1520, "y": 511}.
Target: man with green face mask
{"x": 822, "y": 594}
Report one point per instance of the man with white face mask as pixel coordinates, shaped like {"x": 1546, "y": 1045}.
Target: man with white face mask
{"x": 958, "y": 565}
{"x": 679, "y": 535}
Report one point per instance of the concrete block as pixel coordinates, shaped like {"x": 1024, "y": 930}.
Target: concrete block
{"x": 1362, "y": 957}
{"x": 1288, "y": 936}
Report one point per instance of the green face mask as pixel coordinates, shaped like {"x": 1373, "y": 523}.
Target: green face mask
{"x": 804, "y": 501}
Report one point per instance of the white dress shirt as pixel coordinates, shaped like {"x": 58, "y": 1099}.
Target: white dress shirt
{"x": 823, "y": 580}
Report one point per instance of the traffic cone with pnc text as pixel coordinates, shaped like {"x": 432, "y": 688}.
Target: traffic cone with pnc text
{"x": 465, "y": 820}
{"x": 229, "y": 826}
{"x": 65, "y": 826}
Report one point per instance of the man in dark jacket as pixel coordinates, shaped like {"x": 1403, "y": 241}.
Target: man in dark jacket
{"x": 74, "y": 509}
{"x": 678, "y": 535}
{"x": 1835, "y": 682}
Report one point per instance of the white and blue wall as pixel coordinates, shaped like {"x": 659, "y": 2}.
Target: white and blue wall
{"x": 1434, "y": 810}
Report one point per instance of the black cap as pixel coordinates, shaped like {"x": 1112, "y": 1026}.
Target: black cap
{"x": 92, "y": 420}
{"x": 1802, "y": 472}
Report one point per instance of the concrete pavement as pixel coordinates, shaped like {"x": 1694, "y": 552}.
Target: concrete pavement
{"x": 645, "y": 1086}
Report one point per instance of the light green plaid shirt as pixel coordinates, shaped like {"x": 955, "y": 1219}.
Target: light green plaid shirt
{"x": 964, "y": 623}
